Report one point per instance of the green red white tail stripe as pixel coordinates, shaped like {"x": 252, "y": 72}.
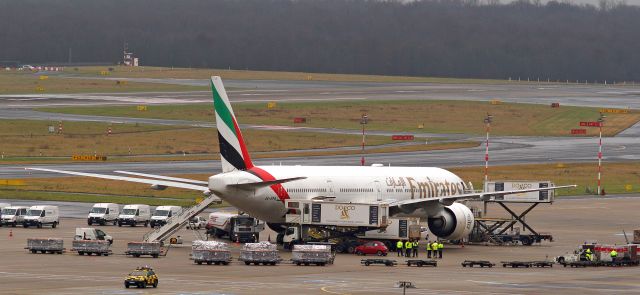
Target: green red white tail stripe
{"x": 233, "y": 151}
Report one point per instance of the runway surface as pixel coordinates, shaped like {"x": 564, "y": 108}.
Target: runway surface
{"x": 504, "y": 150}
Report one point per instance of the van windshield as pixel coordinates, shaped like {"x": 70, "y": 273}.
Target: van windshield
{"x": 161, "y": 213}
{"x": 98, "y": 210}
{"x": 9, "y": 211}
{"x": 129, "y": 212}
{"x": 244, "y": 221}
{"x": 34, "y": 212}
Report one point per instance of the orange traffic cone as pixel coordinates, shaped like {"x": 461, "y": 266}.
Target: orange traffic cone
{"x": 10, "y": 233}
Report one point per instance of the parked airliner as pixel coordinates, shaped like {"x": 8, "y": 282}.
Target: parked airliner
{"x": 429, "y": 193}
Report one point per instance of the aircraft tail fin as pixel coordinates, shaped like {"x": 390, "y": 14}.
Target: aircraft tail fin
{"x": 233, "y": 150}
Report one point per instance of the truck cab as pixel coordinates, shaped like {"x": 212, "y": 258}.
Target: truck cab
{"x": 239, "y": 228}
{"x": 13, "y": 215}
{"x": 41, "y": 215}
{"x": 163, "y": 213}
{"x": 103, "y": 213}
{"x": 89, "y": 233}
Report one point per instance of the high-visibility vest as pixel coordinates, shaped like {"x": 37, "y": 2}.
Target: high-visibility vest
{"x": 399, "y": 244}
{"x": 434, "y": 246}
{"x": 408, "y": 245}
{"x": 440, "y": 246}
{"x": 415, "y": 244}
{"x": 614, "y": 253}
{"x": 428, "y": 246}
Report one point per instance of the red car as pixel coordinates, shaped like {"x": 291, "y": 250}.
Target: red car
{"x": 373, "y": 247}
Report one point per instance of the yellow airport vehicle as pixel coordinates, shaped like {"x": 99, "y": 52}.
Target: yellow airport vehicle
{"x": 141, "y": 277}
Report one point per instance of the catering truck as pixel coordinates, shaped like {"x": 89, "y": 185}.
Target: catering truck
{"x": 345, "y": 224}
{"x": 41, "y": 215}
{"x": 163, "y": 213}
{"x": 134, "y": 215}
{"x": 103, "y": 213}
{"x": 236, "y": 227}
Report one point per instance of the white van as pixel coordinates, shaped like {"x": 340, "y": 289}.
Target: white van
{"x": 163, "y": 213}
{"x": 90, "y": 233}
{"x": 13, "y": 215}
{"x": 103, "y": 213}
{"x": 2, "y": 206}
{"x": 134, "y": 215}
{"x": 42, "y": 215}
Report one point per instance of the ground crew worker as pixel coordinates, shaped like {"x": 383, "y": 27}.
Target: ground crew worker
{"x": 399, "y": 246}
{"x": 587, "y": 254}
{"x": 408, "y": 246}
{"x": 434, "y": 248}
{"x": 613, "y": 254}
{"x": 415, "y": 245}
{"x": 428, "y": 249}
{"x": 440, "y": 247}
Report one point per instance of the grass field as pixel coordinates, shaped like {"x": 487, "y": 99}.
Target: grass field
{"x": 186, "y": 73}
{"x": 22, "y": 82}
{"x": 617, "y": 178}
{"x": 407, "y": 115}
{"x": 31, "y": 138}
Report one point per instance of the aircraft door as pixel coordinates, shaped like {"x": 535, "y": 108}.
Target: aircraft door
{"x": 330, "y": 192}
{"x": 378, "y": 191}
{"x": 306, "y": 211}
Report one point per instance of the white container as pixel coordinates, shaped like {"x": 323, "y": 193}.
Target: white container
{"x": 90, "y": 233}
{"x": 103, "y": 213}
{"x": 42, "y": 215}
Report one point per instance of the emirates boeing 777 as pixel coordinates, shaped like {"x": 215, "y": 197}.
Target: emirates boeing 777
{"x": 426, "y": 192}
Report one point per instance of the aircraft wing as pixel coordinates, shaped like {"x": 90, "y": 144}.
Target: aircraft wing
{"x": 448, "y": 200}
{"x": 154, "y": 182}
{"x": 185, "y": 180}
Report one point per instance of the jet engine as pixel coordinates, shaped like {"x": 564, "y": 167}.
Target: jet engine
{"x": 453, "y": 222}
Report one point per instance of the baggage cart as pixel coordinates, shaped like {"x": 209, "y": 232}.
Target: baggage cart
{"x": 480, "y": 263}
{"x": 45, "y": 245}
{"x": 137, "y": 249}
{"x": 210, "y": 252}
{"x": 89, "y": 247}
{"x": 421, "y": 262}
{"x": 263, "y": 253}
{"x": 312, "y": 254}
{"x": 381, "y": 261}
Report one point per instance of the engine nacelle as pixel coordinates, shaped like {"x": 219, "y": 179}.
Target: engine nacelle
{"x": 455, "y": 222}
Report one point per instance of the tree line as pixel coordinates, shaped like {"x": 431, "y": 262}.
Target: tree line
{"x": 447, "y": 38}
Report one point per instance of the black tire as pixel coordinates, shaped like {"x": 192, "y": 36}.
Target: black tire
{"x": 154, "y": 255}
{"x": 209, "y": 262}
{"x": 43, "y": 251}
{"x": 298, "y": 263}
{"x": 247, "y": 262}
{"x": 105, "y": 254}
{"x": 379, "y": 253}
{"x": 126, "y": 285}
{"x": 388, "y": 264}
{"x": 351, "y": 249}
{"x": 115, "y": 222}
{"x": 89, "y": 253}
{"x": 504, "y": 265}
{"x": 81, "y": 253}
{"x": 306, "y": 264}
{"x": 54, "y": 225}
{"x": 199, "y": 262}
{"x": 420, "y": 264}
{"x": 367, "y": 263}
{"x": 89, "y": 222}
{"x": 155, "y": 284}
{"x": 358, "y": 253}
{"x": 143, "y": 285}
{"x": 25, "y": 225}
{"x": 561, "y": 260}
{"x": 34, "y": 251}
{"x": 273, "y": 263}
{"x": 136, "y": 255}
{"x": 133, "y": 224}
{"x": 39, "y": 225}
{"x": 341, "y": 249}
{"x": 14, "y": 224}
{"x": 146, "y": 224}
{"x": 225, "y": 263}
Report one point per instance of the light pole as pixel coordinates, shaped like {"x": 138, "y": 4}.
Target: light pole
{"x": 363, "y": 121}
{"x": 600, "y": 123}
{"x": 487, "y": 122}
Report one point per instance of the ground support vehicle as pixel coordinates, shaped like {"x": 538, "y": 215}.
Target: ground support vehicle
{"x": 89, "y": 233}
{"x": 47, "y": 245}
{"x": 135, "y": 214}
{"x": 480, "y": 263}
{"x": 141, "y": 277}
{"x": 41, "y": 215}
{"x": 162, "y": 214}
{"x": 260, "y": 253}
{"x": 386, "y": 262}
{"x": 89, "y": 247}
{"x": 312, "y": 254}
{"x": 600, "y": 256}
{"x": 103, "y": 213}
{"x": 137, "y": 249}
{"x": 197, "y": 222}
{"x": 210, "y": 252}
{"x": 12, "y": 216}
{"x": 236, "y": 227}
{"x": 421, "y": 262}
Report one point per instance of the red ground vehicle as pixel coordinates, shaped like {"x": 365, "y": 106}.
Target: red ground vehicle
{"x": 372, "y": 247}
